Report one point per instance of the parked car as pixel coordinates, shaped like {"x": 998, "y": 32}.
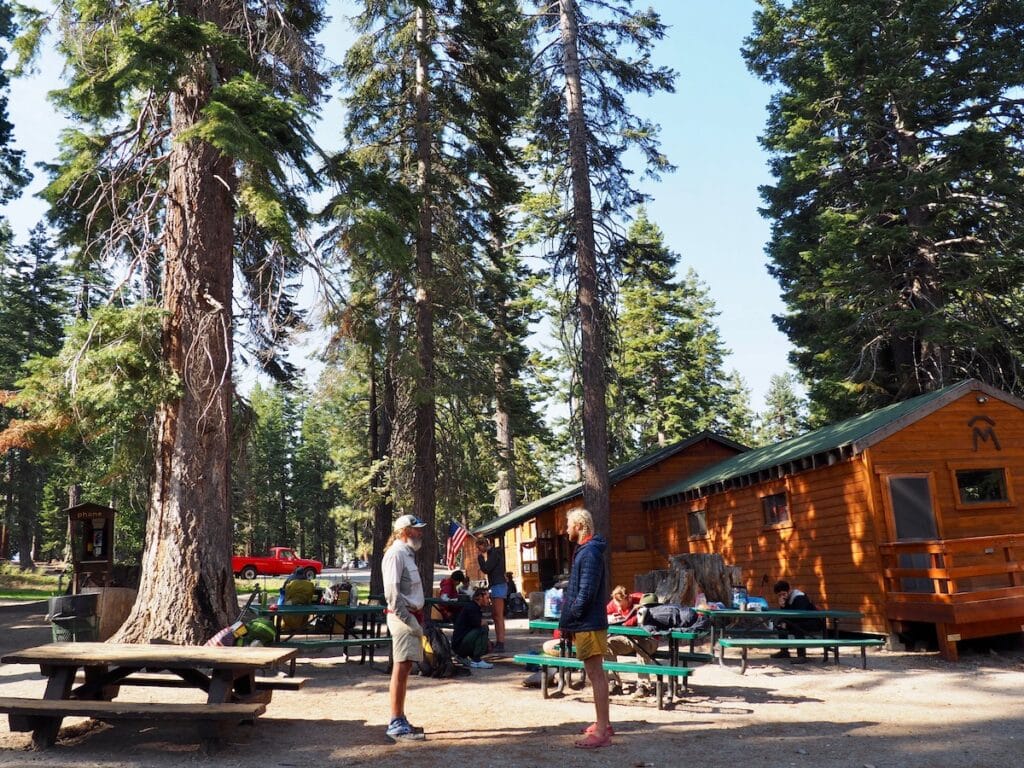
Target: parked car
{"x": 281, "y": 561}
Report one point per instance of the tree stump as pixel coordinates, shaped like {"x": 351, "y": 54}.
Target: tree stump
{"x": 690, "y": 574}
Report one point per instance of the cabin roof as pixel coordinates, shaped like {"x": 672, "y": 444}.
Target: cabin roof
{"x": 618, "y": 474}
{"x": 822, "y": 447}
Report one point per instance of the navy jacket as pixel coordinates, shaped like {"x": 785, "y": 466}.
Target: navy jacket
{"x": 583, "y": 604}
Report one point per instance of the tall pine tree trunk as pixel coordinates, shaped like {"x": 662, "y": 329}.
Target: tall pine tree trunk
{"x": 424, "y": 480}
{"x": 382, "y": 416}
{"x": 592, "y": 352}
{"x": 187, "y": 592}
{"x": 506, "y": 488}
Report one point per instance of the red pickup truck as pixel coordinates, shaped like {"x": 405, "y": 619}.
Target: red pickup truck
{"x": 282, "y": 561}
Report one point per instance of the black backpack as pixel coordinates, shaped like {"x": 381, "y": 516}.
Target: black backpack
{"x": 660, "y": 618}
{"x": 437, "y": 653}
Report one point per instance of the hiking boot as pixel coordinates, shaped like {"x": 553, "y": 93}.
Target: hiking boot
{"x": 783, "y": 654}
{"x": 400, "y": 729}
{"x": 481, "y": 664}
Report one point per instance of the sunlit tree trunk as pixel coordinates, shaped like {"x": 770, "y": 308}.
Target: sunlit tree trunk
{"x": 187, "y": 592}
{"x": 592, "y": 350}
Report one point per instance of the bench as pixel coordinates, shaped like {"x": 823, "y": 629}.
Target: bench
{"x": 826, "y": 643}
{"x": 168, "y": 680}
{"x": 363, "y": 643}
{"x": 658, "y": 671}
{"x": 43, "y": 716}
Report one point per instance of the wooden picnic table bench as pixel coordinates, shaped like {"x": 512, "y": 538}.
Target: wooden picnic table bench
{"x": 658, "y": 671}
{"x": 367, "y": 638}
{"x": 827, "y": 643}
{"x": 226, "y": 674}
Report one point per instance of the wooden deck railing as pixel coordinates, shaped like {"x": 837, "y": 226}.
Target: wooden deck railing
{"x": 954, "y": 570}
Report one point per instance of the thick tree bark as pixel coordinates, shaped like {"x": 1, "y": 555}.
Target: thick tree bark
{"x": 424, "y": 478}
{"x": 187, "y": 592}
{"x": 592, "y": 352}
{"x": 381, "y": 422}
{"x": 505, "y": 500}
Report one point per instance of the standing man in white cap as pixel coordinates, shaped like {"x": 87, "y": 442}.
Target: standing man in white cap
{"x": 403, "y": 591}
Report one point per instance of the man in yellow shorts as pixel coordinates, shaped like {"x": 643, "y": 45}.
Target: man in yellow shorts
{"x": 584, "y": 618}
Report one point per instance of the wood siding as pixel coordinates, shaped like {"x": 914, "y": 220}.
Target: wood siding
{"x": 823, "y": 549}
{"x": 627, "y": 515}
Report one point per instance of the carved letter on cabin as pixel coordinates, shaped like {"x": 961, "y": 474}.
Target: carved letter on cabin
{"x": 983, "y": 433}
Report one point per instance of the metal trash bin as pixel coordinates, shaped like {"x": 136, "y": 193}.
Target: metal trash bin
{"x": 73, "y": 618}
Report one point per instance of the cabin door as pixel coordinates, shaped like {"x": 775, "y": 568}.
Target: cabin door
{"x": 914, "y": 519}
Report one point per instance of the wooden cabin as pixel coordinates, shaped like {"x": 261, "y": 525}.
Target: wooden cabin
{"x": 537, "y": 550}
{"x": 910, "y": 514}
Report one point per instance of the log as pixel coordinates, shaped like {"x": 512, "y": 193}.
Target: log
{"x": 688, "y": 575}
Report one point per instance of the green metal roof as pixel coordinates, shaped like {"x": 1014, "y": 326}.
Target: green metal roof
{"x": 616, "y": 475}
{"x": 821, "y": 447}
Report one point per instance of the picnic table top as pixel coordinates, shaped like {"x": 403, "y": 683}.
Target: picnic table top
{"x": 319, "y": 608}
{"x": 161, "y": 655}
{"x": 778, "y": 613}
{"x": 613, "y": 629}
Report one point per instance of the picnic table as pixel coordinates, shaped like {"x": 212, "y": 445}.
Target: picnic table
{"x": 672, "y": 670}
{"x": 227, "y": 675}
{"x": 731, "y": 620}
{"x": 454, "y": 606}
{"x": 738, "y": 626}
{"x": 367, "y": 638}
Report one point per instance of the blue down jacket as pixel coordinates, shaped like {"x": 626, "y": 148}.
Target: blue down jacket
{"x": 583, "y": 604}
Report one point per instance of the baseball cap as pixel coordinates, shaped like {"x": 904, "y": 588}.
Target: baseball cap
{"x": 408, "y": 521}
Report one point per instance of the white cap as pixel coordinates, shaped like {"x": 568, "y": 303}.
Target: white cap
{"x": 408, "y": 521}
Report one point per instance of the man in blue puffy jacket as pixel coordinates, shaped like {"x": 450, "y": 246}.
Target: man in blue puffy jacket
{"x": 584, "y": 618}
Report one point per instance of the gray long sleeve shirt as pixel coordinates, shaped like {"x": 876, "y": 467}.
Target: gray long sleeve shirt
{"x": 403, "y": 589}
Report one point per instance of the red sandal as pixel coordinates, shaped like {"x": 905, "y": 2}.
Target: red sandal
{"x": 593, "y": 741}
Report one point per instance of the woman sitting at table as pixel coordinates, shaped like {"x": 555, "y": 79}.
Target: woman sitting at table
{"x": 795, "y": 600}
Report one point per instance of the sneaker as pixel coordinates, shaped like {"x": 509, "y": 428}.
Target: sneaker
{"x": 481, "y": 664}
{"x": 463, "y": 660}
{"x": 400, "y": 729}
{"x": 783, "y": 654}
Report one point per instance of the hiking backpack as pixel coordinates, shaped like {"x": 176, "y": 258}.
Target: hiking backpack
{"x": 437, "y": 653}
{"x": 661, "y": 618}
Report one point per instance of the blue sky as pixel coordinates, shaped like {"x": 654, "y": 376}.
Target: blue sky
{"x": 707, "y": 208}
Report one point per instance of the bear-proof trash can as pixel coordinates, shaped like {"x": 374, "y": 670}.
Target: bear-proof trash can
{"x": 73, "y": 618}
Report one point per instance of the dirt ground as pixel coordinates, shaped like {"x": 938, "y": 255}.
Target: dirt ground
{"x": 907, "y": 710}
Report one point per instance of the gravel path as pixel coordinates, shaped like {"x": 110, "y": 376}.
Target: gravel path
{"x": 907, "y": 710}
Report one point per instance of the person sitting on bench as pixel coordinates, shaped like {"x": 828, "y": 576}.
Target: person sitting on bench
{"x": 469, "y": 637}
{"x": 795, "y": 600}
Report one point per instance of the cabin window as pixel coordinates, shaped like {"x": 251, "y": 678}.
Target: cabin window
{"x": 697, "y": 522}
{"x": 776, "y": 509}
{"x": 981, "y": 486}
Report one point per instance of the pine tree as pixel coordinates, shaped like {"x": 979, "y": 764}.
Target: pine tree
{"x": 33, "y": 305}
{"x": 670, "y": 382}
{"x": 785, "y": 413}
{"x": 432, "y": 98}
{"x": 897, "y": 136}
{"x": 583, "y": 129}
{"x": 190, "y": 143}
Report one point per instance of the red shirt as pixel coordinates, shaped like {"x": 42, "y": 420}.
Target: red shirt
{"x": 615, "y": 612}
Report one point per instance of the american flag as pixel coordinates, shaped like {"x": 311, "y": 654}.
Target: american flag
{"x": 456, "y": 538}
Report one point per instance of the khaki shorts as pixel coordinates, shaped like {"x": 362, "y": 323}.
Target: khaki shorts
{"x": 406, "y": 642}
{"x": 592, "y": 643}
